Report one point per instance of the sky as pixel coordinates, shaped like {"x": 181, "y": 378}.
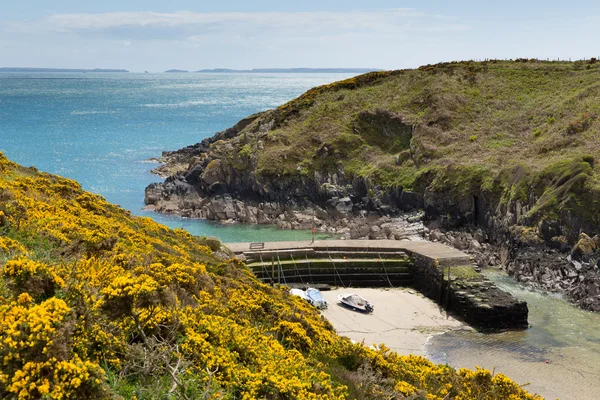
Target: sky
{"x": 159, "y": 35}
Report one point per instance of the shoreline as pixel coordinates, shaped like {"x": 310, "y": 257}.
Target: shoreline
{"x": 556, "y": 357}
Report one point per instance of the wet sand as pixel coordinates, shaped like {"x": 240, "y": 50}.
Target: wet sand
{"x": 559, "y": 355}
{"x": 403, "y": 319}
{"x": 552, "y": 373}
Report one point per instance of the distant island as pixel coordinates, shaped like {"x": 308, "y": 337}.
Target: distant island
{"x": 293, "y": 70}
{"x": 59, "y": 70}
{"x": 175, "y": 70}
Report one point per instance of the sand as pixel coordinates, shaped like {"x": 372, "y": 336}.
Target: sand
{"x": 403, "y": 319}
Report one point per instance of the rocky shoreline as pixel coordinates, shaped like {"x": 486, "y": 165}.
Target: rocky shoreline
{"x": 575, "y": 274}
{"x": 228, "y": 210}
{"x": 219, "y": 179}
{"x": 211, "y": 180}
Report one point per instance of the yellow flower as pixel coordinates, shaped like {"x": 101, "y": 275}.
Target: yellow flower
{"x": 24, "y": 298}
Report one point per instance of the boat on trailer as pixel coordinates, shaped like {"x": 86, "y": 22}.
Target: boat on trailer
{"x": 355, "y": 302}
{"x": 316, "y": 298}
{"x": 312, "y": 295}
{"x": 300, "y": 293}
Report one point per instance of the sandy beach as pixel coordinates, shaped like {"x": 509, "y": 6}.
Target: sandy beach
{"x": 403, "y": 319}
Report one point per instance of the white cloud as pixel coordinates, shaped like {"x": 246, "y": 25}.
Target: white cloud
{"x": 186, "y": 24}
{"x": 192, "y": 40}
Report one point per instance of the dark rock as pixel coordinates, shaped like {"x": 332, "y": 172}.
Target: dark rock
{"x": 153, "y": 193}
{"x": 474, "y": 245}
{"x": 193, "y": 176}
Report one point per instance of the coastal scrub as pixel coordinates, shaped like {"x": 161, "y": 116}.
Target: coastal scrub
{"x": 96, "y": 303}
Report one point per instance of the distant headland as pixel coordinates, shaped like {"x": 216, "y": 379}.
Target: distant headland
{"x": 59, "y": 70}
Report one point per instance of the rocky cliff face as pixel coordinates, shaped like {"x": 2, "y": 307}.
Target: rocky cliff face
{"x": 217, "y": 179}
{"x": 552, "y": 253}
{"x": 324, "y": 161}
{"x": 574, "y": 273}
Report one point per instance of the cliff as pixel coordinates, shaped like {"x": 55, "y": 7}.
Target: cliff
{"x": 506, "y": 148}
{"x": 98, "y": 304}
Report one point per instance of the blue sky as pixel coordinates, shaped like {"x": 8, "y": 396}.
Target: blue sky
{"x": 159, "y": 35}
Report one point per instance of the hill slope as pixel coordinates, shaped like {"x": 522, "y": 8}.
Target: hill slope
{"x": 494, "y": 129}
{"x": 500, "y": 131}
{"x": 96, "y": 303}
{"x": 508, "y": 147}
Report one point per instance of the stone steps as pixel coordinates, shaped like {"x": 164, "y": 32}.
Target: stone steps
{"x": 335, "y": 262}
{"x": 303, "y": 253}
{"x": 337, "y": 272}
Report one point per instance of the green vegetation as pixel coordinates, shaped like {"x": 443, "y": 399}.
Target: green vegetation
{"x": 464, "y": 272}
{"x": 98, "y": 304}
{"x": 465, "y": 127}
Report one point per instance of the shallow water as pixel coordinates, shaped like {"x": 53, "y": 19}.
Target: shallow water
{"x": 100, "y": 128}
{"x": 559, "y": 355}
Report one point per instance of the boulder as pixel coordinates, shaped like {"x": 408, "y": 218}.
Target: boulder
{"x": 479, "y": 236}
{"x": 458, "y": 243}
{"x": 344, "y": 205}
{"x": 222, "y": 208}
{"x": 584, "y": 248}
{"x": 212, "y": 172}
{"x": 436, "y": 235}
{"x": 377, "y": 235}
{"x": 153, "y": 193}
{"x": 474, "y": 245}
{"x": 194, "y": 175}
{"x": 360, "y": 231}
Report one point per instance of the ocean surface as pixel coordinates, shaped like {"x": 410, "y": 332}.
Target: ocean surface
{"x": 100, "y": 128}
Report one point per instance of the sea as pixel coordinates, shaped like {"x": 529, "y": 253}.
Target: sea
{"x": 101, "y": 128}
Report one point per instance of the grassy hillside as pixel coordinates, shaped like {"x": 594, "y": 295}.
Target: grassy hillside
{"x": 96, "y": 303}
{"x": 497, "y": 128}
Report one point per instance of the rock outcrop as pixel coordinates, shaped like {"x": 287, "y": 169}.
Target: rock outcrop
{"x": 360, "y": 158}
{"x": 217, "y": 179}
{"x": 575, "y": 274}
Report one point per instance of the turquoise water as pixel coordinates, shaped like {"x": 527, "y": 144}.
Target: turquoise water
{"x": 558, "y": 356}
{"x": 99, "y": 128}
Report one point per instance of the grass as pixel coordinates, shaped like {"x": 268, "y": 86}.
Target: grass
{"x": 464, "y": 272}
{"x": 415, "y": 128}
{"x": 503, "y": 105}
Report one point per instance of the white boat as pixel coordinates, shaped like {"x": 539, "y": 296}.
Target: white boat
{"x": 300, "y": 293}
{"x": 316, "y": 298}
{"x": 355, "y": 302}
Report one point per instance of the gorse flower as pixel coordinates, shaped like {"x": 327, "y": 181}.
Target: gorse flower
{"x": 96, "y": 303}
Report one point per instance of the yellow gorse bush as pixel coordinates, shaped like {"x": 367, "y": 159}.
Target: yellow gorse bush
{"x": 96, "y": 303}
{"x": 34, "y": 355}
{"x": 8, "y": 245}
